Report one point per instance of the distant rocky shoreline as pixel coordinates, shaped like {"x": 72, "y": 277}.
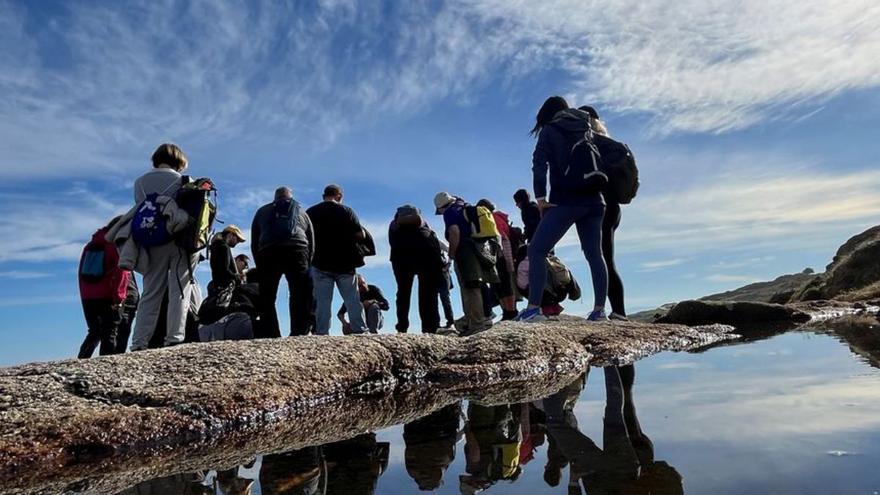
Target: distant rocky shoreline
{"x": 849, "y": 285}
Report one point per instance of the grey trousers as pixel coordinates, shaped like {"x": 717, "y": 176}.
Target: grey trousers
{"x": 472, "y": 305}
{"x": 170, "y": 270}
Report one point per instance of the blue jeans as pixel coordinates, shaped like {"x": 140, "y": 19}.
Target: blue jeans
{"x": 323, "y": 283}
{"x": 555, "y": 223}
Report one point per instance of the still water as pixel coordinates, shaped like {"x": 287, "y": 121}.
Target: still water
{"x": 798, "y": 413}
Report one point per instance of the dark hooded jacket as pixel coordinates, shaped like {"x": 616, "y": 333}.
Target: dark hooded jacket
{"x": 414, "y": 246}
{"x": 223, "y": 269}
{"x": 263, "y": 235}
{"x": 555, "y": 142}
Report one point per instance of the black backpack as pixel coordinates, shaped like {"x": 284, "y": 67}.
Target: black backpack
{"x": 619, "y": 165}
{"x": 582, "y": 173}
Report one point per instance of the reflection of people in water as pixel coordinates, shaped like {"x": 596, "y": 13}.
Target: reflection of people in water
{"x": 298, "y": 472}
{"x": 532, "y": 422}
{"x": 230, "y": 483}
{"x": 430, "y": 446}
{"x": 492, "y": 447}
{"x": 184, "y": 484}
{"x": 559, "y": 410}
{"x": 354, "y": 466}
{"x": 626, "y": 463}
{"x": 346, "y": 467}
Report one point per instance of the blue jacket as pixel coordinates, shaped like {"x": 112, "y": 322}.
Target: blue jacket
{"x": 551, "y": 154}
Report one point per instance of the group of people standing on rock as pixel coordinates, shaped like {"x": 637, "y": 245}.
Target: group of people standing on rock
{"x": 164, "y": 235}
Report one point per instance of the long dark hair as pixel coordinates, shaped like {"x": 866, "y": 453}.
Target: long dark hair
{"x": 551, "y": 107}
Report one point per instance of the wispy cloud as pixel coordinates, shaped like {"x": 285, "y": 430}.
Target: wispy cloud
{"x": 722, "y": 278}
{"x": 742, "y": 263}
{"x": 290, "y": 74}
{"x": 701, "y": 65}
{"x": 24, "y": 275}
{"x": 653, "y": 266}
{"x": 36, "y": 228}
{"x": 298, "y": 76}
{"x": 749, "y": 202}
{"x": 36, "y": 300}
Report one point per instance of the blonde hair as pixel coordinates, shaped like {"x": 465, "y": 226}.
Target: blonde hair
{"x": 599, "y": 127}
{"x": 170, "y": 154}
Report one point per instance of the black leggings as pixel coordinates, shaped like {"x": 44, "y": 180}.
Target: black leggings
{"x": 615, "y": 284}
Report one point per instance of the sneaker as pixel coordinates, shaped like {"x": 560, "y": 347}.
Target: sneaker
{"x": 449, "y": 331}
{"x": 618, "y": 317}
{"x": 598, "y": 315}
{"x": 531, "y": 315}
{"x": 509, "y": 315}
{"x": 475, "y": 330}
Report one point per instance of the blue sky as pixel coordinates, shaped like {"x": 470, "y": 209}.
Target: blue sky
{"x": 754, "y": 125}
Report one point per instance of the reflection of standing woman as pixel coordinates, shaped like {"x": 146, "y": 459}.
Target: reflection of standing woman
{"x": 558, "y": 128}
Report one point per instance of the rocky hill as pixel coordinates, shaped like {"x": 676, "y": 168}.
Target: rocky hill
{"x": 853, "y": 275}
{"x": 779, "y": 290}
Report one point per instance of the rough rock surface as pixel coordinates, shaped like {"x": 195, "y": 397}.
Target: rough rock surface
{"x": 732, "y": 313}
{"x": 77, "y": 414}
{"x": 855, "y": 267}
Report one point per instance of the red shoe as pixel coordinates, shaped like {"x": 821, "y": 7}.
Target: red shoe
{"x": 552, "y": 310}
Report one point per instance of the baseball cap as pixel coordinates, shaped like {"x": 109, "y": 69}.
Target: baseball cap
{"x": 232, "y": 229}
{"x": 442, "y": 200}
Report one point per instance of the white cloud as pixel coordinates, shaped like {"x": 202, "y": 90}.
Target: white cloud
{"x": 52, "y": 226}
{"x": 700, "y": 65}
{"x": 742, "y": 263}
{"x": 37, "y": 300}
{"x": 751, "y": 203}
{"x": 24, "y": 274}
{"x": 296, "y": 77}
{"x": 725, "y": 278}
{"x": 286, "y": 74}
{"x": 788, "y": 406}
{"x": 652, "y": 266}
{"x": 379, "y": 230}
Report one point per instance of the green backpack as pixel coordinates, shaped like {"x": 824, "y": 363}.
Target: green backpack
{"x": 199, "y": 199}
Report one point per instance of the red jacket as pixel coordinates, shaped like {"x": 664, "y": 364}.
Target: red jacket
{"x": 502, "y": 222}
{"x": 115, "y": 281}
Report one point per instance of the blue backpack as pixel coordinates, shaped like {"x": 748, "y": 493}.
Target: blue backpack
{"x": 149, "y": 227}
{"x": 92, "y": 267}
{"x": 284, "y": 220}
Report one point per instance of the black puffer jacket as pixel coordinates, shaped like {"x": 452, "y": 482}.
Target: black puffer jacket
{"x": 223, "y": 269}
{"x": 552, "y": 151}
{"x": 414, "y": 246}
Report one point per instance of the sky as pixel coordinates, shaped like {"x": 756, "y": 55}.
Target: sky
{"x": 754, "y": 125}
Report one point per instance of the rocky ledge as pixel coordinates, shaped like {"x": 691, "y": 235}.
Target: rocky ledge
{"x": 63, "y": 420}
